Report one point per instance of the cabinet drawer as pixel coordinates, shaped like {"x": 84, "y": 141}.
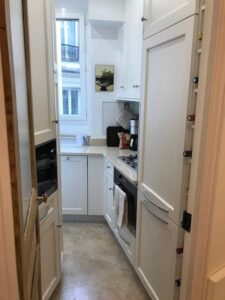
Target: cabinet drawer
{"x": 109, "y": 168}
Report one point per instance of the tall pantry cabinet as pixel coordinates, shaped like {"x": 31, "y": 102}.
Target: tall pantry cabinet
{"x": 168, "y": 66}
{"x": 41, "y": 30}
{"x": 40, "y": 25}
{"x": 161, "y": 14}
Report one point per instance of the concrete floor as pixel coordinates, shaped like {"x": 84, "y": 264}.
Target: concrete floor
{"x": 95, "y": 267}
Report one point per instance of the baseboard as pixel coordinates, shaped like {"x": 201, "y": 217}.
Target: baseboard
{"x": 81, "y": 218}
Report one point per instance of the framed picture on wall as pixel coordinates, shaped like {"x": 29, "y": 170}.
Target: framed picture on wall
{"x": 104, "y": 78}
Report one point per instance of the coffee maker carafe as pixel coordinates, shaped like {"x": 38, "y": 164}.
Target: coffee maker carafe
{"x": 133, "y": 134}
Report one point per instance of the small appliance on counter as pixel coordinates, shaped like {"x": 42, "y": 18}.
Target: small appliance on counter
{"x": 113, "y": 139}
{"x": 133, "y": 134}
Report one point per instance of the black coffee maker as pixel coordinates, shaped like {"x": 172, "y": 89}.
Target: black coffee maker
{"x": 133, "y": 134}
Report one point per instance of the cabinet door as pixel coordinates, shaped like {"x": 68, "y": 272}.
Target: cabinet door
{"x": 157, "y": 262}
{"x": 74, "y": 185}
{"x": 130, "y": 40}
{"x": 167, "y": 94}
{"x": 109, "y": 212}
{"x": 95, "y": 185}
{"x": 134, "y": 34}
{"x": 123, "y": 63}
{"x": 161, "y": 14}
{"x": 50, "y": 246}
{"x": 41, "y": 51}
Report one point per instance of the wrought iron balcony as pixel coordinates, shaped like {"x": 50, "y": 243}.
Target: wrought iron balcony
{"x": 70, "y": 53}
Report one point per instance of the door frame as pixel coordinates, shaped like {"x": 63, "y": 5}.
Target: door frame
{"x": 8, "y": 267}
{"x": 23, "y": 235}
{"x": 207, "y": 143}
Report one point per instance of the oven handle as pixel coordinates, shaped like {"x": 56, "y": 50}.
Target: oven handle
{"x": 118, "y": 230}
{"x": 145, "y": 202}
{"x": 160, "y": 207}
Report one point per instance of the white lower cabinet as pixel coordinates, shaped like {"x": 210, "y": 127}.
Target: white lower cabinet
{"x": 74, "y": 185}
{"x": 82, "y": 185}
{"x": 109, "y": 212}
{"x": 157, "y": 262}
{"x": 50, "y": 246}
{"x": 95, "y": 185}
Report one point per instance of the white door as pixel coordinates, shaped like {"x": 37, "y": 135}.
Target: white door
{"x": 167, "y": 94}
{"x": 157, "y": 262}
{"x": 74, "y": 185}
{"x": 161, "y": 14}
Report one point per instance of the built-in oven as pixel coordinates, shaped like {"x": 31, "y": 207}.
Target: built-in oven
{"x": 131, "y": 191}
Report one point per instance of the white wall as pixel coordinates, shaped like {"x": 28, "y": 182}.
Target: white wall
{"x": 101, "y": 48}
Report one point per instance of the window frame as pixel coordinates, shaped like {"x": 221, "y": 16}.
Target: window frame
{"x": 74, "y": 15}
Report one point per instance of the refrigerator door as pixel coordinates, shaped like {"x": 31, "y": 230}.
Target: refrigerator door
{"x": 166, "y": 100}
{"x": 156, "y": 260}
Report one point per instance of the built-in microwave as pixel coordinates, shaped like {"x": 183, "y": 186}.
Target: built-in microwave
{"x": 46, "y": 162}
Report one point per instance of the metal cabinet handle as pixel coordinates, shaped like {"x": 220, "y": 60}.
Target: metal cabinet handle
{"x": 59, "y": 225}
{"x": 143, "y": 19}
{"x": 55, "y": 121}
{"x": 150, "y": 212}
{"x": 125, "y": 241}
{"x": 122, "y": 87}
{"x": 108, "y": 167}
{"x": 110, "y": 189}
{"x": 160, "y": 207}
{"x": 43, "y": 198}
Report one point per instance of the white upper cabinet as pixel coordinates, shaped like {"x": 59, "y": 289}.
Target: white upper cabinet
{"x": 42, "y": 59}
{"x": 167, "y": 94}
{"x": 161, "y": 14}
{"x": 130, "y": 41}
{"x": 106, "y": 10}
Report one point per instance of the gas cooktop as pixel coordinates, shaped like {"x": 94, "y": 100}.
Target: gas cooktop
{"x": 131, "y": 161}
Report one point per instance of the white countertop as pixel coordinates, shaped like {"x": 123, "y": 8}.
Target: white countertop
{"x": 111, "y": 153}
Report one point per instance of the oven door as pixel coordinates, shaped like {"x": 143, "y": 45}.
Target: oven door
{"x": 127, "y": 241}
{"x": 126, "y": 234}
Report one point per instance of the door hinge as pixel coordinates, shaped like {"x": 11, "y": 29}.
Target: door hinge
{"x": 187, "y": 219}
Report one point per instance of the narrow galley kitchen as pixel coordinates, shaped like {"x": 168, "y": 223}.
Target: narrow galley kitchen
{"x": 114, "y": 113}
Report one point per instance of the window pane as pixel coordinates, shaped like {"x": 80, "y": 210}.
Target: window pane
{"x": 71, "y": 33}
{"x": 62, "y": 32}
{"x": 65, "y": 102}
{"x": 74, "y": 102}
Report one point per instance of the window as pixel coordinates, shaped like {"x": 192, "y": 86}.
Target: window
{"x": 71, "y": 67}
{"x": 71, "y": 102}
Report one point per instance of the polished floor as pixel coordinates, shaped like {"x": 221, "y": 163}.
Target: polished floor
{"x": 95, "y": 267}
